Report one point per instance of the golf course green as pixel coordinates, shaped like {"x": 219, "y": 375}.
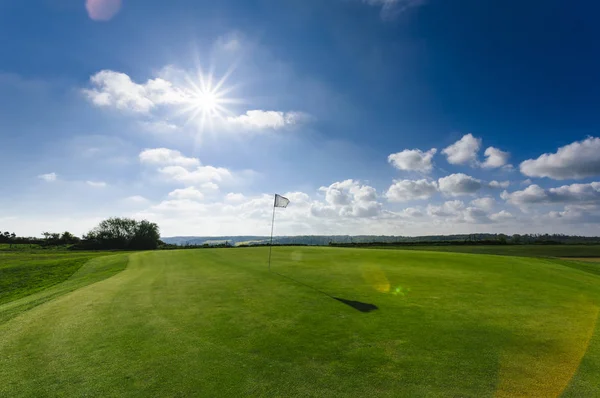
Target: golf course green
{"x": 218, "y": 323}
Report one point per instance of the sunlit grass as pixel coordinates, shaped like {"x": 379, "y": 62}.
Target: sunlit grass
{"x": 215, "y": 322}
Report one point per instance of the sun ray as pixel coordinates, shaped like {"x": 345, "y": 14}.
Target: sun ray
{"x": 207, "y": 98}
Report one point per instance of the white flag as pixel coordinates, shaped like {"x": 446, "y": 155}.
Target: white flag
{"x": 280, "y": 201}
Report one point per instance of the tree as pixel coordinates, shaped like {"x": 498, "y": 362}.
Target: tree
{"x": 68, "y": 238}
{"x": 146, "y": 237}
{"x": 124, "y": 233}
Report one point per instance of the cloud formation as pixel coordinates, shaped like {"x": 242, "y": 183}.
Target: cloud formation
{"x": 261, "y": 119}
{"x": 115, "y": 89}
{"x": 413, "y": 160}
{"x": 167, "y": 157}
{"x": 405, "y": 190}
{"x": 198, "y": 175}
{"x": 175, "y": 167}
{"x": 577, "y": 160}
{"x": 566, "y": 194}
{"x": 577, "y": 214}
{"x": 495, "y": 158}
{"x": 96, "y": 184}
{"x": 189, "y": 193}
{"x": 50, "y": 177}
{"x": 459, "y": 184}
{"x": 498, "y": 184}
{"x": 347, "y": 199}
{"x": 463, "y": 151}
{"x": 485, "y": 203}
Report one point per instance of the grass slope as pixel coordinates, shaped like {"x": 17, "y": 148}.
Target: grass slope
{"x": 24, "y": 273}
{"x": 217, "y": 323}
{"x": 51, "y": 276}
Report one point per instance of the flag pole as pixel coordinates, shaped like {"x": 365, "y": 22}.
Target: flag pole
{"x": 272, "y": 225}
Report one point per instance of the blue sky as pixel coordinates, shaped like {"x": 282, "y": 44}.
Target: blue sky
{"x": 389, "y": 117}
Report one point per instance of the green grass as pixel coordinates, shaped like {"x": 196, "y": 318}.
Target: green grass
{"x": 215, "y": 322}
{"x": 22, "y": 274}
{"x": 31, "y": 279}
{"x": 511, "y": 250}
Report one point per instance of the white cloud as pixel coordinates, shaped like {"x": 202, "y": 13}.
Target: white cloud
{"x": 413, "y": 160}
{"x": 580, "y": 159}
{"x": 577, "y": 214}
{"x": 115, "y": 89}
{"x": 300, "y": 199}
{"x": 96, "y": 184}
{"x": 464, "y": 150}
{"x": 167, "y": 157}
{"x": 501, "y": 216}
{"x": 495, "y": 158}
{"x": 405, "y": 190}
{"x": 531, "y": 194}
{"x": 235, "y": 197}
{"x": 575, "y": 193}
{"x": 475, "y": 215}
{"x": 199, "y": 175}
{"x": 527, "y": 182}
{"x": 484, "y": 203}
{"x": 454, "y": 211}
{"x": 347, "y": 199}
{"x": 259, "y": 119}
{"x": 172, "y": 166}
{"x": 135, "y": 199}
{"x": 50, "y": 177}
{"x": 447, "y": 209}
{"x": 499, "y": 184}
{"x": 410, "y": 212}
{"x": 459, "y": 184}
{"x": 209, "y": 187}
{"x": 189, "y": 193}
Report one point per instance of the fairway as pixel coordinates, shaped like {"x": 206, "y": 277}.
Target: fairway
{"x": 216, "y": 322}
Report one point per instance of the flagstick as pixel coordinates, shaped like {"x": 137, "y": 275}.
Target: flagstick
{"x": 271, "y": 244}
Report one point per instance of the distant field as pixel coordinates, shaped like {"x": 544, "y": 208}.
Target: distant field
{"x": 216, "y": 322}
{"x": 511, "y": 250}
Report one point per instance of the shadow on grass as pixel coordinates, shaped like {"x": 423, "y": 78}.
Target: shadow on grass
{"x": 357, "y": 305}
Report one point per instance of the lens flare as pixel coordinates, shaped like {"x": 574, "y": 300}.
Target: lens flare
{"x": 556, "y": 361}
{"x": 400, "y": 291}
{"x": 375, "y": 277}
{"x": 102, "y": 10}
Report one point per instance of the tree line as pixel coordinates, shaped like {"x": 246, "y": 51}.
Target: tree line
{"x": 111, "y": 234}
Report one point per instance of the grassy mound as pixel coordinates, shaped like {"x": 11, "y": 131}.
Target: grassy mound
{"x": 217, "y": 323}
{"x": 30, "y": 279}
{"x": 25, "y": 273}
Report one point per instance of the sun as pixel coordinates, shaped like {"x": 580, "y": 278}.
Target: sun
{"x": 206, "y": 99}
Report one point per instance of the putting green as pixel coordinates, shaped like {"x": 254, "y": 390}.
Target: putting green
{"x": 215, "y": 322}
